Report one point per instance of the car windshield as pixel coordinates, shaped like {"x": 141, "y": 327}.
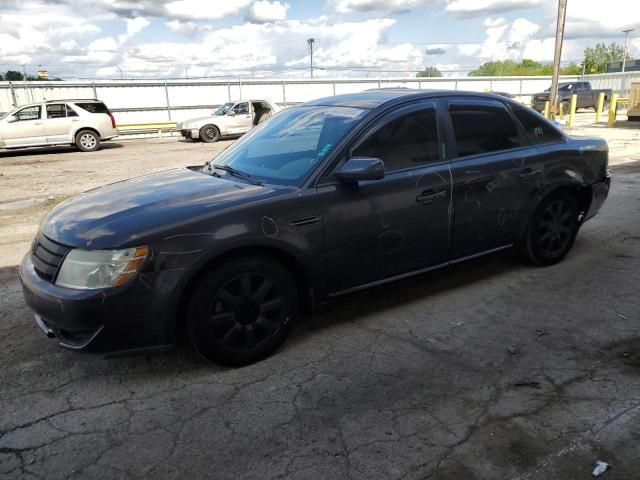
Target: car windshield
{"x": 223, "y": 109}
{"x": 286, "y": 148}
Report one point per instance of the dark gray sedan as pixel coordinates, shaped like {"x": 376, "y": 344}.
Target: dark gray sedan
{"x": 333, "y": 196}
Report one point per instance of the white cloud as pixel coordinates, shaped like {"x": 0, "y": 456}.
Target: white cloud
{"x": 349, "y": 6}
{"x": 264, "y": 11}
{"x": 198, "y": 10}
{"x": 468, "y": 8}
{"x": 134, "y": 26}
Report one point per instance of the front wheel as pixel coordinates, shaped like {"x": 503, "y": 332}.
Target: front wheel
{"x": 209, "y": 134}
{"x": 552, "y": 230}
{"x": 242, "y": 311}
{"x": 87, "y": 141}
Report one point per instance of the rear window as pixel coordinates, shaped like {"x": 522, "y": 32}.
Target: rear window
{"x": 536, "y": 127}
{"x": 93, "y": 107}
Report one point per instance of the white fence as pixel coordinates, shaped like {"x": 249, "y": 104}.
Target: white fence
{"x": 144, "y": 101}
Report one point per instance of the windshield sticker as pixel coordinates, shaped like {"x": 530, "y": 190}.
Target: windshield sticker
{"x": 326, "y": 149}
{"x": 344, "y": 112}
{"x": 537, "y": 131}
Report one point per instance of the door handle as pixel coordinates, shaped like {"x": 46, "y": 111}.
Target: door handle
{"x": 429, "y": 196}
{"x": 528, "y": 173}
{"x": 38, "y": 123}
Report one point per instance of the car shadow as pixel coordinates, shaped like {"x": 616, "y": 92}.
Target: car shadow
{"x": 22, "y": 152}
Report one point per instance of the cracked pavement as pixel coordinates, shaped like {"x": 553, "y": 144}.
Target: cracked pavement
{"x": 487, "y": 370}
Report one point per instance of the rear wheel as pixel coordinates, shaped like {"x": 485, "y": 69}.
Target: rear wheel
{"x": 209, "y": 134}
{"x": 242, "y": 311}
{"x": 552, "y": 230}
{"x": 87, "y": 141}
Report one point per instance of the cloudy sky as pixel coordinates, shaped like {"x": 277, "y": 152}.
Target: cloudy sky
{"x": 218, "y": 38}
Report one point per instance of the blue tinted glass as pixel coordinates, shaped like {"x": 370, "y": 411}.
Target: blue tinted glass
{"x": 287, "y": 147}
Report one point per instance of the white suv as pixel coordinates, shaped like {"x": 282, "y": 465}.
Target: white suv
{"x": 84, "y": 123}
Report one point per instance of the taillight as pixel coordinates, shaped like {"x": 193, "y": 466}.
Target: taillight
{"x": 113, "y": 120}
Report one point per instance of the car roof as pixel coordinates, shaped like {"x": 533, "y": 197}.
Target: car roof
{"x": 372, "y": 99}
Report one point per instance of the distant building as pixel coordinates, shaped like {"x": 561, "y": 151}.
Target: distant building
{"x": 630, "y": 66}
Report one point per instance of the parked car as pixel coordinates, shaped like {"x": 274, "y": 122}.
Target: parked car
{"x": 83, "y": 123}
{"x": 232, "y": 118}
{"x": 586, "y": 96}
{"x": 333, "y": 196}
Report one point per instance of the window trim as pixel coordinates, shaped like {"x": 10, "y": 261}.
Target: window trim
{"x": 325, "y": 178}
{"x": 39, "y": 107}
{"x": 490, "y": 103}
{"x": 51, "y": 104}
{"x": 562, "y": 139}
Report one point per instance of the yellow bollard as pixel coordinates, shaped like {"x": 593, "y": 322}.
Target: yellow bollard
{"x": 612, "y": 110}
{"x": 599, "y": 106}
{"x": 560, "y": 111}
{"x": 572, "y": 110}
{"x": 546, "y": 109}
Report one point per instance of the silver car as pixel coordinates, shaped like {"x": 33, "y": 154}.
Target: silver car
{"x": 84, "y": 123}
{"x": 232, "y": 118}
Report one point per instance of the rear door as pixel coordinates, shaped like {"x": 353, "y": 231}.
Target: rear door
{"x": 379, "y": 229}
{"x": 59, "y": 123}
{"x": 27, "y": 131}
{"x": 495, "y": 170}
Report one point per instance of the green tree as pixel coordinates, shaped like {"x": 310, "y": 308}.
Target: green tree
{"x": 572, "y": 69}
{"x": 527, "y": 67}
{"x": 13, "y": 75}
{"x": 596, "y": 59}
{"x": 1, "y": 77}
{"x": 429, "y": 72}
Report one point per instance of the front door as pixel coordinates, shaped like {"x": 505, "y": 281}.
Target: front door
{"x": 27, "y": 131}
{"x": 495, "y": 172}
{"x": 242, "y": 121}
{"x": 385, "y": 228}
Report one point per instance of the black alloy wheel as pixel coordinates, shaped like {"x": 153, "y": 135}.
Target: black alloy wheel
{"x": 242, "y": 311}
{"x": 552, "y": 229}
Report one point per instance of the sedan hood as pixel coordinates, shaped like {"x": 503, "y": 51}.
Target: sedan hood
{"x": 124, "y": 213}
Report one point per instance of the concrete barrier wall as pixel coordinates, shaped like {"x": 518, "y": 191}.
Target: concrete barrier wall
{"x": 142, "y": 101}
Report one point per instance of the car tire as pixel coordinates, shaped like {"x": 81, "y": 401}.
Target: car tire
{"x": 242, "y": 311}
{"x": 87, "y": 141}
{"x": 552, "y": 230}
{"x": 209, "y": 134}
{"x": 566, "y": 108}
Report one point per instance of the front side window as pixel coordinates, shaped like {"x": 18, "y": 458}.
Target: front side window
{"x": 482, "y": 128}
{"x": 405, "y": 142}
{"x": 29, "y": 113}
{"x": 290, "y": 145}
{"x": 241, "y": 109}
{"x": 536, "y": 127}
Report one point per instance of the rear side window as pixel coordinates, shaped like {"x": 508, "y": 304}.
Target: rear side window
{"x": 405, "y": 142}
{"x": 536, "y": 128}
{"x": 93, "y": 107}
{"x": 482, "y": 128}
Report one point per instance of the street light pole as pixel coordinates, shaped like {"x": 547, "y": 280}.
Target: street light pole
{"x": 311, "y": 41}
{"x": 626, "y": 43}
{"x": 557, "y": 56}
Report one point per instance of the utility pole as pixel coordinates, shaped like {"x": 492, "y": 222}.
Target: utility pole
{"x": 557, "y": 56}
{"x": 310, "y": 42}
{"x": 626, "y": 43}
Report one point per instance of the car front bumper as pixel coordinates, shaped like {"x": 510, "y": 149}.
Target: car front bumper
{"x": 193, "y": 133}
{"x": 139, "y": 315}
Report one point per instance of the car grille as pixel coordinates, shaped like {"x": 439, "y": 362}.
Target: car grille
{"x": 47, "y": 256}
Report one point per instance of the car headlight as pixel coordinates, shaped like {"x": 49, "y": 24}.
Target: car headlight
{"x": 92, "y": 269}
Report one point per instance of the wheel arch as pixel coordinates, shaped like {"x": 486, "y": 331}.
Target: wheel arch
{"x": 583, "y": 194}
{"x": 81, "y": 129}
{"x": 286, "y": 259}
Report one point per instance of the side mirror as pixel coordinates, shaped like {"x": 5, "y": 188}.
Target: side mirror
{"x": 231, "y": 113}
{"x": 360, "y": 168}
{"x": 12, "y": 118}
